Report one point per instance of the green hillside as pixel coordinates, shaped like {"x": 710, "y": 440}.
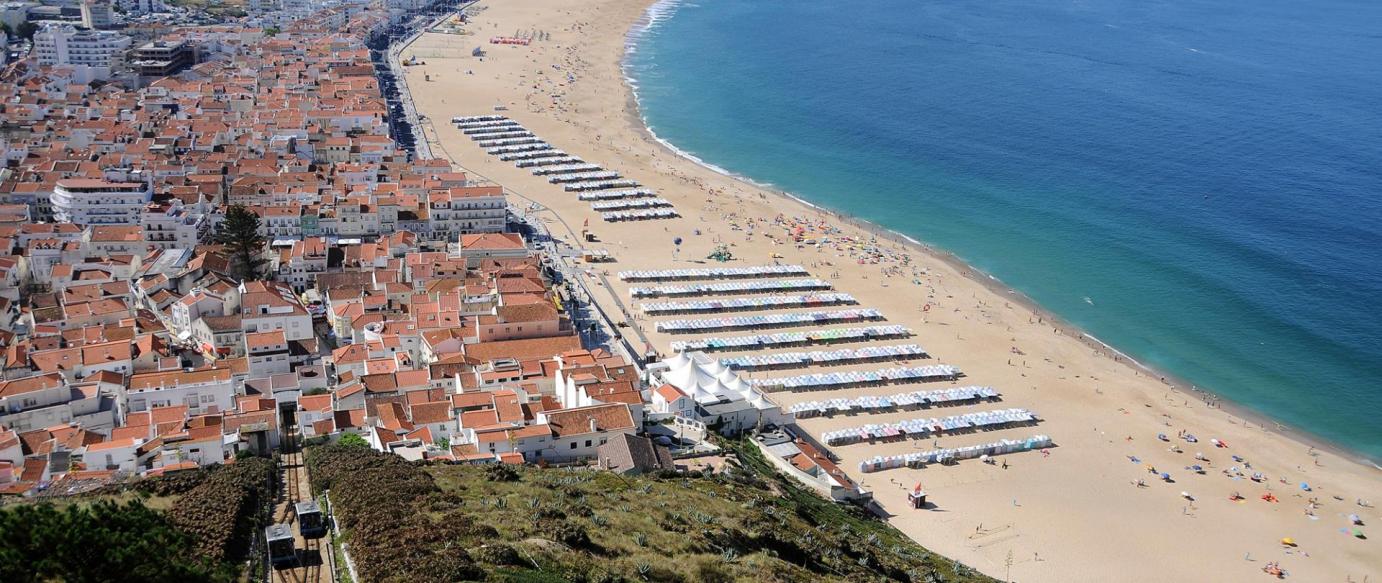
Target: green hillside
{"x": 415, "y": 522}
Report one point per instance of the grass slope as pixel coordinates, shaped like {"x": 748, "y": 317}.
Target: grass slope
{"x": 748, "y": 524}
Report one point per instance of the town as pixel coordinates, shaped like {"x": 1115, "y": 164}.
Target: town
{"x": 219, "y": 241}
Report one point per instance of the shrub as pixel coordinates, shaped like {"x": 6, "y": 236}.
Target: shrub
{"x": 501, "y": 473}
{"x": 223, "y": 510}
{"x": 498, "y": 554}
{"x": 352, "y": 440}
{"x": 97, "y": 542}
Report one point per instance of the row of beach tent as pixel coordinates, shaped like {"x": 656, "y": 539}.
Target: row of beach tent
{"x": 538, "y": 155}
{"x": 605, "y": 184}
{"x": 919, "y": 459}
{"x": 520, "y": 148}
{"x": 909, "y": 400}
{"x": 840, "y": 380}
{"x": 636, "y": 203}
{"x": 512, "y": 143}
{"x": 744, "y": 304}
{"x": 730, "y": 287}
{"x": 639, "y": 215}
{"x": 529, "y": 139}
{"x": 583, "y": 177}
{"x": 780, "y": 339}
{"x": 479, "y": 120}
{"x": 500, "y": 134}
{"x": 617, "y": 194}
{"x": 492, "y": 128}
{"x": 548, "y": 158}
{"x": 756, "y": 271}
{"x": 770, "y": 320}
{"x": 933, "y": 425}
{"x": 545, "y": 169}
{"x": 825, "y": 357}
{"x": 484, "y": 133}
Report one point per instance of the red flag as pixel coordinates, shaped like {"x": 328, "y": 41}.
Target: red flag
{"x": 587, "y": 223}
{"x": 918, "y": 490}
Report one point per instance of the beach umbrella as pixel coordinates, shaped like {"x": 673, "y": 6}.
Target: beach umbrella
{"x": 1305, "y": 486}
{"x": 1355, "y": 519}
{"x": 1166, "y": 476}
{"x": 1358, "y": 532}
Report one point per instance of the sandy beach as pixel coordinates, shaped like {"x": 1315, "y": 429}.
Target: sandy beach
{"x": 1075, "y": 515}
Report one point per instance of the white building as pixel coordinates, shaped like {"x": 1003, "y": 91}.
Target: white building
{"x": 101, "y": 51}
{"x": 120, "y": 455}
{"x": 98, "y": 14}
{"x": 203, "y": 391}
{"x": 200, "y": 303}
{"x": 267, "y": 352}
{"x": 173, "y": 225}
{"x": 267, "y": 306}
{"x": 87, "y": 201}
{"x": 578, "y": 432}
{"x": 721, "y": 398}
{"x": 43, "y": 401}
{"x": 471, "y": 209}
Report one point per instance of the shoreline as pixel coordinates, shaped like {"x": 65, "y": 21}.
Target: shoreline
{"x": 638, "y": 121}
{"x": 1076, "y": 503}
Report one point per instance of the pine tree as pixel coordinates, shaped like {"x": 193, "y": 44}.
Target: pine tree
{"x": 240, "y": 233}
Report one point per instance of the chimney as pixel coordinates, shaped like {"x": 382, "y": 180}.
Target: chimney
{"x": 593, "y": 426}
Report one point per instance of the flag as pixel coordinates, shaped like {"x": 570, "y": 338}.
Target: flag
{"x": 918, "y": 489}
{"x": 587, "y": 223}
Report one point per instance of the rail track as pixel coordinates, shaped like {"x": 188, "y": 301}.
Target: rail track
{"x": 315, "y": 563}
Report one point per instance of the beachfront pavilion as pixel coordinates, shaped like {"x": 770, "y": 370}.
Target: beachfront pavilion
{"x": 721, "y": 397}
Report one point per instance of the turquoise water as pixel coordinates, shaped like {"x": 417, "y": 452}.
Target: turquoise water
{"x": 1207, "y": 174}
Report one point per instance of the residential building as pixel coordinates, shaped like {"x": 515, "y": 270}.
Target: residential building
{"x": 88, "y": 201}
{"x": 171, "y": 224}
{"x": 98, "y": 14}
{"x": 467, "y": 209}
{"x": 101, "y": 51}
{"x": 267, "y": 306}
{"x": 201, "y": 391}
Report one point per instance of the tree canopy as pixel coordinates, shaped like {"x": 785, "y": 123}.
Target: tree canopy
{"x": 239, "y": 232}
{"x": 101, "y": 541}
{"x": 26, "y": 30}
{"x": 352, "y": 440}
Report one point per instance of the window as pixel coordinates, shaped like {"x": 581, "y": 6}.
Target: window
{"x": 587, "y": 443}
{"x": 573, "y": 445}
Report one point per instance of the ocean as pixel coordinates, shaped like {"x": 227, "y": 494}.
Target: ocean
{"x": 1197, "y": 183}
